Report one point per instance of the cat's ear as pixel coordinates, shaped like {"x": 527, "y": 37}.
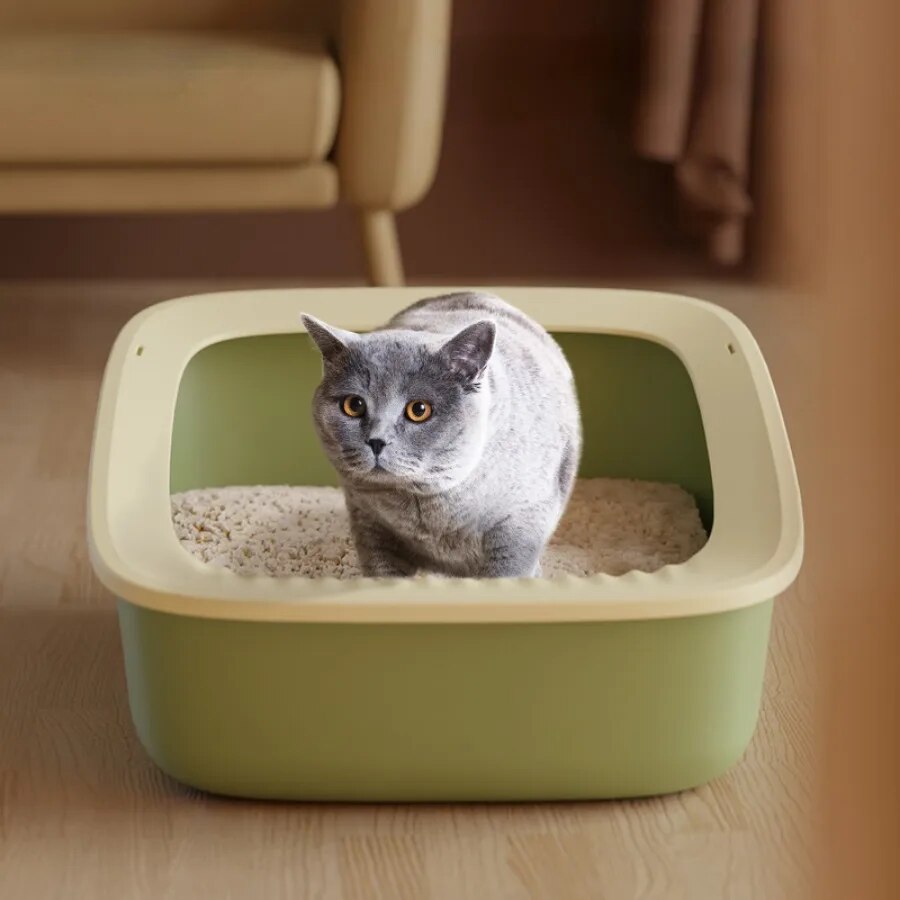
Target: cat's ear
{"x": 331, "y": 341}
{"x": 467, "y": 353}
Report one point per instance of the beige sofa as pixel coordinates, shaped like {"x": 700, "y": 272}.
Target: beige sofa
{"x": 198, "y": 105}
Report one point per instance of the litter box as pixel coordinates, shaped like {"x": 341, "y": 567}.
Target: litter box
{"x": 442, "y": 689}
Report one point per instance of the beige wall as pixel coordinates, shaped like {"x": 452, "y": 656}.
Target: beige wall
{"x": 788, "y": 142}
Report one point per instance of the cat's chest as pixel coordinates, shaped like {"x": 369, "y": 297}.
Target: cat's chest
{"x": 443, "y": 529}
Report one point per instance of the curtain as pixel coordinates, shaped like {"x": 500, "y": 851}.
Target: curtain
{"x": 695, "y": 109}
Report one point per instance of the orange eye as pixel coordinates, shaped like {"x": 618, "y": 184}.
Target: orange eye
{"x": 353, "y": 406}
{"x": 418, "y": 410}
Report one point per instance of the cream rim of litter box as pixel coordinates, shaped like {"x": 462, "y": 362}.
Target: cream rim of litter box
{"x": 753, "y": 553}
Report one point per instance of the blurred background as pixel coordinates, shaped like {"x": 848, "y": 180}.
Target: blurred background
{"x": 742, "y": 151}
{"x": 539, "y": 174}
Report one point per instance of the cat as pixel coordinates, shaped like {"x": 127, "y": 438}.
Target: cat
{"x": 456, "y": 433}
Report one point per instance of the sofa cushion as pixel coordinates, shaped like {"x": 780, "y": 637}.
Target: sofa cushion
{"x": 166, "y": 97}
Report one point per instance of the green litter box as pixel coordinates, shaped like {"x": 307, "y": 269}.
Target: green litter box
{"x": 442, "y": 689}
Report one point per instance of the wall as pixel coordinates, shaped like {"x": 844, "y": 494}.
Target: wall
{"x": 789, "y": 132}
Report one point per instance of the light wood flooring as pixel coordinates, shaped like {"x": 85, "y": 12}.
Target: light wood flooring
{"x": 83, "y": 813}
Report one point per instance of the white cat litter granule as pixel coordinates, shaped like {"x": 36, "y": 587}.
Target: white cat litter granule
{"x": 611, "y": 526}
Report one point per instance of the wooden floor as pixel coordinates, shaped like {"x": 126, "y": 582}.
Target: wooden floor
{"x": 83, "y": 813}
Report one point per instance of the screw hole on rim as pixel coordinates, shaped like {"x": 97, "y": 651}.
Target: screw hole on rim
{"x": 731, "y": 349}
{"x": 140, "y": 351}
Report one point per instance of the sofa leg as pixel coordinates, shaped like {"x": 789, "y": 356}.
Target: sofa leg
{"x": 379, "y": 232}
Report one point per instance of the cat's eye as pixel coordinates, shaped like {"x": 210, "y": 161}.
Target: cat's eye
{"x": 353, "y": 406}
{"x": 418, "y": 410}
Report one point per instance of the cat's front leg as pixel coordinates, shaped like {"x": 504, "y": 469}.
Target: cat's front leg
{"x": 380, "y": 554}
{"x": 512, "y": 549}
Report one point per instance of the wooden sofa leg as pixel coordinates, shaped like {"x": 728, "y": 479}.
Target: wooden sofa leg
{"x": 379, "y": 232}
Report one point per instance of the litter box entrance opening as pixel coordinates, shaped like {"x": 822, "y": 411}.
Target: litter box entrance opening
{"x": 242, "y": 415}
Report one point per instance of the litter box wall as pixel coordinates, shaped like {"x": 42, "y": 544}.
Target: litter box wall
{"x": 489, "y": 712}
{"x": 588, "y": 710}
{"x": 243, "y": 415}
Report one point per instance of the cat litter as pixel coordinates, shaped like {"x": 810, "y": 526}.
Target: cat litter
{"x": 611, "y": 526}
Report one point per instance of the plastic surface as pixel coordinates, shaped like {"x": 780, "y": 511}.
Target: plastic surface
{"x": 311, "y": 711}
{"x": 180, "y": 408}
{"x": 432, "y": 689}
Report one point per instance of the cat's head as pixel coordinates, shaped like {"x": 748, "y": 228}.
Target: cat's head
{"x": 399, "y": 408}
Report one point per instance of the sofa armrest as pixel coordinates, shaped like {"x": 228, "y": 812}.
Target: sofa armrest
{"x": 393, "y": 60}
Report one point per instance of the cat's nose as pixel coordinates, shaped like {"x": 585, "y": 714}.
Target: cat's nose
{"x": 376, "y": 444}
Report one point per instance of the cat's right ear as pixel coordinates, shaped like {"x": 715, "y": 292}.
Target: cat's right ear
{"x": 467, "y": 353}
{"x": 332, "y": 342}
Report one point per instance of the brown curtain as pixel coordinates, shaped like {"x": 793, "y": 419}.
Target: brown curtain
{"x": 695, "y": 109}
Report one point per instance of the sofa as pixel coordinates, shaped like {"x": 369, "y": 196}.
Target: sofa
{"x": 205, "y": 105}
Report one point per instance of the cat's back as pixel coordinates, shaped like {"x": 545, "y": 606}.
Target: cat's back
{"x": 520, "y": 339}
{"x": 532, "y": 394}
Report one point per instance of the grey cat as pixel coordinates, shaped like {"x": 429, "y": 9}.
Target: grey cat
{"x": 456, "y": 433}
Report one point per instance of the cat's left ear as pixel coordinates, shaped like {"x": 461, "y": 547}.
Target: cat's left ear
{"x": 468, "y": 352}
{"x": 331, "y": 341}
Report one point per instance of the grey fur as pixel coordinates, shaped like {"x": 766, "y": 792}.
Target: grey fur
{"x": 477, "y": 489}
